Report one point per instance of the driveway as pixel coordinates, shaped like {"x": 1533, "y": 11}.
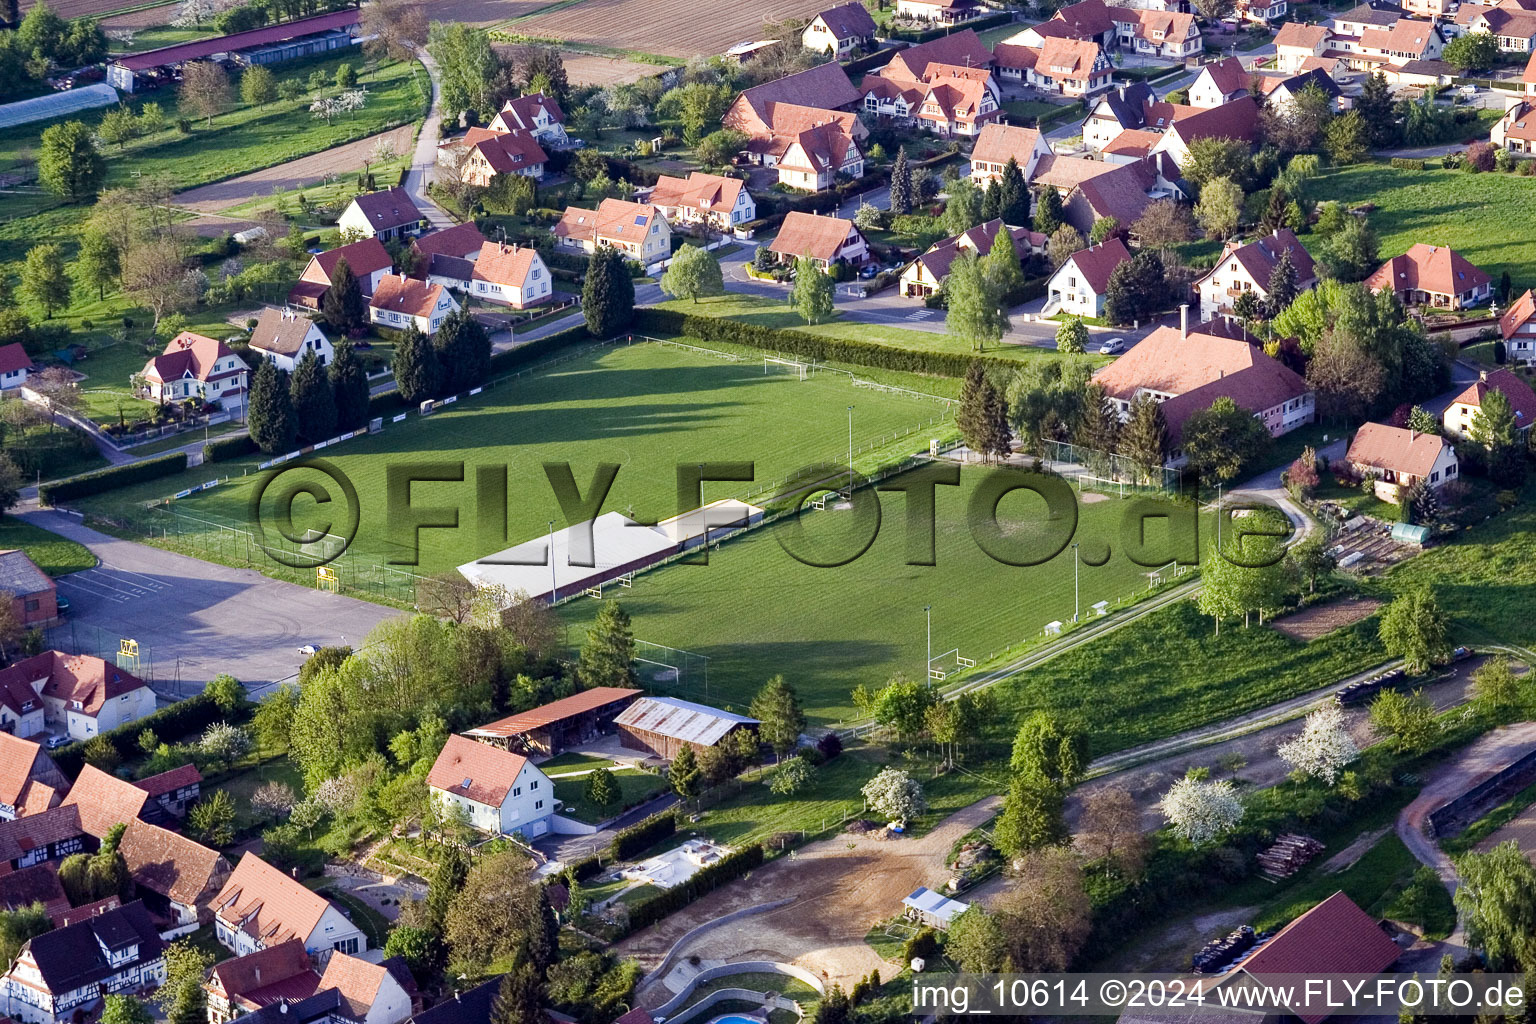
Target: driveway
{"x": 424, "y": 162}
{"x": 194, "y": 619}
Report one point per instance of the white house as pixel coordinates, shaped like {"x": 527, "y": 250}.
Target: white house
{"x": 62, "y": 975}
{"x": 372, "y": 992}
{"x": 1398, "y": 457}
{"x": 511, "y": 275}
{"x": 638, "y": 230}
{"x": 840, "y": 30}
{"x": 1518, "y": 327}
{"x": 538, "y": 115}
{"x": 498, "y": 791}
{"x": 998, "y": 143}
{"x": 72, "y": 694}
{"x": 382, "y": 215}
{"x": 282, "y": 336}
{"x": 701, "y": 198}
{"x": 1458, "y": 416}
{"x": 14, "y": 365}
{"x": 827, "y": 240}
{"x": 1247, "y": 268}
{"x": 261, "y": 906}
{"x": 1220, "y": 82}
{"x": 399, "y": 301}
{"x": 195, "y": 366}
{"x": 1079, "y": 285}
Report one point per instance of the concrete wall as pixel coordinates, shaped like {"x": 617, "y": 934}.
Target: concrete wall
{"x": 1451, "y": 818}
{"x": 725, "y": 970}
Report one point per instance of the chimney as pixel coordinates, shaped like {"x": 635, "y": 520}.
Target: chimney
{"x": 258, "y": 976}
{"x": 1184, "y": 320}
{"x": 1482, "y": 375}
{"x": 282, "y": 1006}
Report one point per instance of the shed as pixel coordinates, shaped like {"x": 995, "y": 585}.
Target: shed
{"x": 933, "y": 909}
{"x": 551, "y": 728}
{"x": 662, "y": 725}
{"x": 1410, "y": 533}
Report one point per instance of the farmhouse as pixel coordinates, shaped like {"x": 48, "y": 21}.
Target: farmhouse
{"x": 77, "y": 695}
{"x": 535, "y": 115}
{"x": 1518, "y": 327}
{"x": 399, "y": 301}
{"x": 1397, "y": 458}
{"x": 712, "y": 199}
{"x": 261, "y": 906}
{"x": 663, "y": 725}
{"x": 34, "y": 595}
{"x": 273, "y": 44}
{"x": 496, "y": 790}
{"x": 174, "y": 791}
{"x": 381, "y": 993}
{"x": 177, "y": 878}
{"x": 826, "y": 240}
{"x": 825, "y": 87}
{"x": 368, "y": 261}
{"x": 1247, "y": 268}
{"x": 839, "y": 31}
{"x": 941, "y": 12}
{"x": 925, "y": 275}
{"x": 195, "y": 366}
{"x": 1071, "y": 67}
{"x": 636, "y": 229}
{"x": 1080, "y": 284}
{"x": 480, "y": 155}
{"x": 1458, "y": 416}
{"x": 66, "y": 972}
{"x": 1432, "y": 275}
{"x": 996, "y": 144}
{"x": 30, "y": 782}
{"x": 15, "y": 364}
{"x": 243, "y": 984}
{"x": 40, "y": 884}
{"x": 282, "y": 336}
{"x": 511, "y": 275}
{"x": 41, "y": 837}
{"x": 381, "y": 215}
{"x": 1220, "y": 82}
{"x": 551, "y": 728}
{"x": 103, "y": 801}
{"x": 1173, "y": 362}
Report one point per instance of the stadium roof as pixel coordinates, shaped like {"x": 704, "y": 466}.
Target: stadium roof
{"x": 238, "y": 41}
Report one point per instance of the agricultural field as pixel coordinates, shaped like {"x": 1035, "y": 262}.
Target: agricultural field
{"x": 755, "y": 610}
{"x": 1489, "y": 218}
{"x": 647, "y": 407}
{"x": 673, "y": 30}
{"x": 585, "y": 67}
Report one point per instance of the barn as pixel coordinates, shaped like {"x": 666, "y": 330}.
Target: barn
{"x": 552, "y": 728}
{"x": 662, "y": 725}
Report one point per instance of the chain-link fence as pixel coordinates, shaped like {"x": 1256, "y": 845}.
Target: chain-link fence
{"x": 1109, "y": 472}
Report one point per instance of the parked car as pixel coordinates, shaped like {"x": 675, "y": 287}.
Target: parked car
{"x": 309, "y": 649}
{"x": 868, "y": 272}
{"x": 55, "y": 742}
{"x": 1112, "y": 347}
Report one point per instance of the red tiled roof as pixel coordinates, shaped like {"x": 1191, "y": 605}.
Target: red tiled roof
{"x": 1519, "y": 312}
{"x": 36, "y": 884}
{"x": 1334, "y": 937}
{"x": 698, "y": 191}
{"x": 280, "y": 971}
{"x": 1087, "y": 18}
{"x": 406, "y": 295}
{"x": 1121, "y": 194}
{"x": 504, "y": 264}
{"x": 1259, "y": 257}
{"x": 17, "y": 757}
{"x": 13, "y": 357}
{"x": 1264, "y": 385}
{"x": 1396, "y": 448}
{"x": 189, "y": 353}
{"x": 104, "y": 800}
{"x": 171, "y": 865}
{"x": 1132, "y": 142}
{"x": 1229, "y": 75}
{"x": 69, "y": 677}
{"x": 1521, "y": 398}
{"x": 268, "y": 904}
{"x": 997, "y": 143}
{"x": 238, "y": 41}
{"x": 810, "y": 234}
{"x": 1295, "y": 33}
{"x": 389, "y": 208}
{"x": 506, "y": 152}
{"x": 962, "y": 49}
{"x": 1166, "y": 362}
{"x": 825, "y": 85}
{"x": 1015, "y": 55}
{"x": 520, "y": 113}
{"x": 941, "y": 255}
{"x": 556, "y": 711}
{"x": 613, "y": 219}
{"x": 1429, "y": 268}
{"x": 23, "y": 835}
{"x": 1235, "y": 119}
{"x": 1529, "y": 76}
{"x": 463, "y": 240}
{"x": 1071, "y": 59}
{"x": 171, "y": 781}
{"x": 363, "y": 258}
{"x": 476, "y": 771}
{"x": 357, "y": 980}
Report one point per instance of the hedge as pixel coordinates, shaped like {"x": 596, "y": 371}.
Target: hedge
{"x": 1404, "y": 163}
{"x": 171, "y": 724}
{"x": 586, "y": 868}
{"x": 516, "y": 358}
{"x": 814, "y": 347}
{"x": 113, "y": 477}
{"x": 229, "y": 448}
{"x": 990, "y": 21}
{"x": 643, "y": 835}
{"x": 706, "y": 879}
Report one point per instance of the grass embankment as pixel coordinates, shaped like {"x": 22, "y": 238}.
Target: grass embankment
{"x": 53, "y": 554}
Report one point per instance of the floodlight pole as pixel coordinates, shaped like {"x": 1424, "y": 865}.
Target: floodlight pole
{"x": 928, "y": 668}
{"x": 850, "y": 455}
{"x": 1076, "y": 562}
{"x": 554, "y": 588}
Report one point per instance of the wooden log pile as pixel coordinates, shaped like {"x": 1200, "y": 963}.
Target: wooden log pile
{"x": 1289, "y": 854}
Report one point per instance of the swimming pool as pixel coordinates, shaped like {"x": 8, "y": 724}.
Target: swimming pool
{"x": 736, "y": 1018}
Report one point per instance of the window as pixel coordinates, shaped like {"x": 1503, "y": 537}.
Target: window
{"x": 33, "y": 605}
{"x": 534, "y": 784}
{"x": 517, "y": 791}
{"x": 538, "y": 805}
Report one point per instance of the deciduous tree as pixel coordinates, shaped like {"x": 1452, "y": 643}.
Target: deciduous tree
{"x": 1201, "y": 811}
{"x": 1110, "y": 830}
{"x": 43, "y": 279}
{"x": 895, "y": 794}
{"x": 204, "y": 90}
{"x": 812, "y": 292}
{"x": 1497, "y": 900}
{"x": 1323, "y": 747}
{"x": 68, "y": 163}
{"x": 1045, "y": 912}
{"x": 975, "y": 312}
{"x": 1072, "y": 336}
{"x": 1415, "y": 629}
{"x": 258, "y": 86}
{"x": 694, "y": 272}
{"x": 1409, "y": 718}
{"x": 1222, "y": 440}
{"x": 1220, "y": 207}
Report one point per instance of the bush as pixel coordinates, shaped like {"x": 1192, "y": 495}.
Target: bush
{"x": 1404, "y": 163}
{"x": 112, "y": 478}
{"x": 642, "y": 835}
{"x": 184, "y": 718}
{"x": 706, "y": 879}
{"x": 829, "y": 746}
{"x": 229, "y": 448}
{"x": 924, "y": 944}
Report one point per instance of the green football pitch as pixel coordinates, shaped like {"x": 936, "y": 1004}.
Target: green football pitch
{"x": 649, "y": 407}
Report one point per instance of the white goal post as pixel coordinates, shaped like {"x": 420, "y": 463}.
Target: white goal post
{"x": 804, "y": 369}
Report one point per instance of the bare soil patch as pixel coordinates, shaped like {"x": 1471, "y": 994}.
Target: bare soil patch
{"x": 1521, "y": 828}
{"x": 592, "y": 68}
{"x": 1310, "y": 623}
{"x": 149, "y": 17}
{"x": 845, "y": 886}
{"x": 674, "y": 30}
{"x": 300, "y": 173}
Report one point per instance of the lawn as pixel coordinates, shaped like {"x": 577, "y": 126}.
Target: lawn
{"x": 244, "y": 783}
{"x": 792, "y": 988}
{"x": 766, "y": 312}
{"x": 1489, "y": 823}
{"x": 573, "y": 762}
{"x": 634, "y": 787}
{"x": 1374, "y": 882}
{"x": 648, "y": 407}
{"x": 1169, "y": 671}
{"x": 1488, "y": 218}
{"x": 829, "y": 629}
{"x": 1356, "y": 500}
{"x": 52, "y": 553}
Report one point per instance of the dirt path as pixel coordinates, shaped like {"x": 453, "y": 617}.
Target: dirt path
{"x": 300, "y": 173}
{"x": 845, "y": 885}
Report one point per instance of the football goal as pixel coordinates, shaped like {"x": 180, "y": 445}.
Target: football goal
{"x": 792, "y": 365}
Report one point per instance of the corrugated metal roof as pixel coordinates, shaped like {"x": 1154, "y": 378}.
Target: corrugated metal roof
{"x": 681, "y": 720}
{"x": 555, "y": 711}
{"x": 238, "y": 41}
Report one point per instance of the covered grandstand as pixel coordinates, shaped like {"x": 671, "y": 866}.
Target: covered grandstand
{"x": 270, "y": 45}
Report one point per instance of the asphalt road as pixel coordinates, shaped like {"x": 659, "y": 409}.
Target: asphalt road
{"x": 193, "y": 619}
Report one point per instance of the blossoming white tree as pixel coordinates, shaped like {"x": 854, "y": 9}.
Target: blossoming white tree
{"x": 895, "y": 794}
{"x": 1200, "y": 810}
{"x": 1323, "y": 748}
